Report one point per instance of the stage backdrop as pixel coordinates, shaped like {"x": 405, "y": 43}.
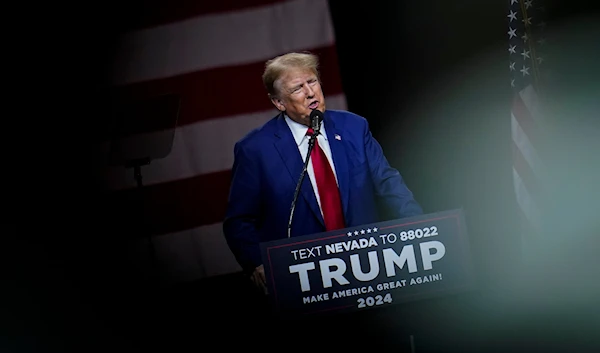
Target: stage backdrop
{"x": 210, "y": 54}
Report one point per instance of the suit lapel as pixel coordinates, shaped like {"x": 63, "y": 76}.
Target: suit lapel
{"x": 288, "y": 151}
{"x": 340, "y": 159}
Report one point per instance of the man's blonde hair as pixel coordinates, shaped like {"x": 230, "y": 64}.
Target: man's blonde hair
{"x": 275, "y": 67}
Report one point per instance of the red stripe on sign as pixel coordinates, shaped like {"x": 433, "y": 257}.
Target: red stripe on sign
{"x": 159, "y": 12}
{"x": 526, "y": 121}
{"x": 221, "y": 92}
{"x": 170, "y": 207}
{"x": 526, "y": 173}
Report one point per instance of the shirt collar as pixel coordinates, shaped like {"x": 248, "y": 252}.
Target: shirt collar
{"x": 299, "y": 130}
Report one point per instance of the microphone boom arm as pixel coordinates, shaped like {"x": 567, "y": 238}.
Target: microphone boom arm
{"x": 311, "y": 145}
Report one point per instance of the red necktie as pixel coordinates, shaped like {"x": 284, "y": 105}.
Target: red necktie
{"x": 331, "y": 203}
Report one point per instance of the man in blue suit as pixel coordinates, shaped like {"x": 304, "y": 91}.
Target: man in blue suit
{"x": 268, "y": 162}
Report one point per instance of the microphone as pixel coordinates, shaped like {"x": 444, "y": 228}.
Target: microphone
{"x": 316, "y": 117}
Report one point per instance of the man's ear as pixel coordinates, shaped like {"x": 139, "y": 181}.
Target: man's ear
{"x": 277, "y": 103}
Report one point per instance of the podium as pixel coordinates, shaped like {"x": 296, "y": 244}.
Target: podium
{"x": 369, "y": 266}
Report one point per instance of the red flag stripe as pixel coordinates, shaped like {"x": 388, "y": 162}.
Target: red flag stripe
{"x": 526, "y": 173}
{"x": 525, "y": 201}
{"x": 159, "y": 12}
{"x": 222, "y": 92}
{"x": 171, "y": 207}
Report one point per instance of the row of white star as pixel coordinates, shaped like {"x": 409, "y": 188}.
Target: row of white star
{"x": 528, "y": 3}
{"x": 362, "y": 231}
{"x": 524, "y": 70}
{"x": 512, "y": 32}
{"x": 525, "y": 53}
{"x": 512, "y": 64}
{"x": 527, "y": 20}
{"x": 513, "y": 16}
{"x": 512, "y": 49}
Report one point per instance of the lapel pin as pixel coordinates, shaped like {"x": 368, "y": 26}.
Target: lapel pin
{"x": 338, "y": 137}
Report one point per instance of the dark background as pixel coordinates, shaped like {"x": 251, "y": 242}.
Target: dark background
{"x": 432, "y": 79}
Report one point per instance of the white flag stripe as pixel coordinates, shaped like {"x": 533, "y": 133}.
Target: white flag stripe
{"x": 191, "y": 254}
{"x": 526, "y": 148}
{"x": 200, "y": 148}
{"x": 530, "y": 99}
{"x": 204, "y": 42}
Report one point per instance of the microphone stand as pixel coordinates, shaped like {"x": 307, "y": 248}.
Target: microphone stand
{"x": 311, "y": 145}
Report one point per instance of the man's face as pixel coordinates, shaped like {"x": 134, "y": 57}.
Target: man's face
{"x": 299, "y": 92}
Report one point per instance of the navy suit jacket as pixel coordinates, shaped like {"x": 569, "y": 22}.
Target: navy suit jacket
{"x": 267, "y": 166}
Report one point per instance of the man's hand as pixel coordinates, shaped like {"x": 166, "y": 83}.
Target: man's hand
{"x": 259, "y": 279}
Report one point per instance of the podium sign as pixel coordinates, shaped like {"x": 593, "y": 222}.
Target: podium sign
{"x": 369, "y": 266}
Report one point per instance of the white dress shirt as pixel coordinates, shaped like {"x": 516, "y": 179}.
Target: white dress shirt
{"x": 299, "y": 133}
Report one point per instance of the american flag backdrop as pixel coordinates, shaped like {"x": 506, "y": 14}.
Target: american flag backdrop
{"x": 526, "y": 64}
{"x": 211, "y": 55}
